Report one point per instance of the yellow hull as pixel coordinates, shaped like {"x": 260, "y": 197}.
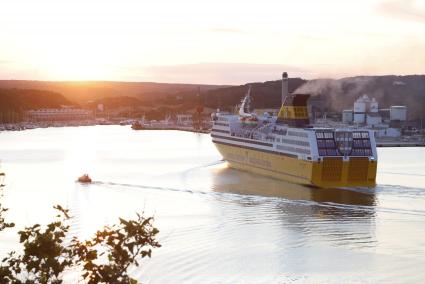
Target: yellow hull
{"x": 331, "y": 172}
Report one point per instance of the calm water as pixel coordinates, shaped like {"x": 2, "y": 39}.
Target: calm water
{"x": 219, "y": 225}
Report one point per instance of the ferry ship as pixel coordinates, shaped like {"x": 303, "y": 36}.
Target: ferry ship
{"x": 287, "y": 147}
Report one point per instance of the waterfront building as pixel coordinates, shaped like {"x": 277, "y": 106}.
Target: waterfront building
{"x": 184, "y": 119}
{"x": 57, "y": 114}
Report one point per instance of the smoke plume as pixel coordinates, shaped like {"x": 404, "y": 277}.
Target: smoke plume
{"x": 338, "y": 94}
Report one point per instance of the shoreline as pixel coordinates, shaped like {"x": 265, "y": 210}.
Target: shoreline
{"x": 29, "y": 125}
{"x": 385, "y": 143}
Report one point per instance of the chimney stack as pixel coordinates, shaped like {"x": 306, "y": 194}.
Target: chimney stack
{"x": 284, "y": 86}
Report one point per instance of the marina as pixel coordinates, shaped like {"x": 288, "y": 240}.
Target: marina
{"x": 216, "y": 221}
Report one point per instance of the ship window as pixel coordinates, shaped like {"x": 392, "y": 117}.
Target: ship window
{"x": 328, "y": 135}
{"x": 319, "y": 135}
{"x": 366, "y": 143}
{"x": 321, "y": 143}
{"x": 357, "y": 143}
{"x": 331, "y": 152}
{"x": 330, "y": 143}
{"x": 365, "y": 135}
{"x": 359, "y": 152}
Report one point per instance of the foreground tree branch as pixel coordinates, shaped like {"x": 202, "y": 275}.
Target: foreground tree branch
{"x": 103, "y": 259}
{"x": 3, "y": 223}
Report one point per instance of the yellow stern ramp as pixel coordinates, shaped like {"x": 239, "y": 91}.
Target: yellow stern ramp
{"x": 330, "y": 172}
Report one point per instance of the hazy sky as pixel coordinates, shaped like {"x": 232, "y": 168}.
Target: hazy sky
{"x": 220, "y": 41}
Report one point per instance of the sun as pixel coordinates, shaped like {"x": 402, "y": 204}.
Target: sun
{"x": 76, "y": 66}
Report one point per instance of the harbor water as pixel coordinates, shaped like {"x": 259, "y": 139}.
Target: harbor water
{"x": 218, "y": 225}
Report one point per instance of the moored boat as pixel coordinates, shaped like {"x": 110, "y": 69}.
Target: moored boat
{"x": 137, "y": 126}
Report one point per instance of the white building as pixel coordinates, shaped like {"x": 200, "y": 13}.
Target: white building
{"x": 387, "y": 132}
{"x": 366, "y": 112}
{"x": 360, "y": 106}
{"x": 373, "y": 106}
{"x": 373, "y": 119}
{"x": 398, "y": 113}
{"x": 184, "y": 119}
{"x": 57, "y": 114}
{"x": 347, "y": 116}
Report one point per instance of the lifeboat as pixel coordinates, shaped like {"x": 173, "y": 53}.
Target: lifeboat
{"x": 84, "y": 179}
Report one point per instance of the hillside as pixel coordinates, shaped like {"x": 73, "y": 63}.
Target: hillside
{"x": 83, "y": 92}
{"x": 336, "y": 94}
{"x": 21, "y": 99}
{"x": 265, "y": 95}
{"x": 387, "y": 90}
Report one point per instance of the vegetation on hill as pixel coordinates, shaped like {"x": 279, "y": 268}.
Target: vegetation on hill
{"x": 83, "y": 92}
{"x": 157, "y": 99}
{"x": 116, "y": 102}
{"x": 265, "y": 95}
{"x": 21, "y": 99}
{"x": 336, "y": 94}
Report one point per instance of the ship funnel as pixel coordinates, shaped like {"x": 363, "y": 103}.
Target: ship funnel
{"x": 294, "y": 111}
{"x": 284, "y": 86}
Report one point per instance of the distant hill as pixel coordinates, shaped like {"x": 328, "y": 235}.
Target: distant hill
{"x": 116, "y": 102}
{"x": 22, "y": 99}
{"x": 265, "y": 95}
{"x": 387, "y": 90}
{"x": 336, "y": 94}
{"x": 83, "y": 92}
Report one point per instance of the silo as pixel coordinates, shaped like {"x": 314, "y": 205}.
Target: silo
{"x": 373, "y": 106}
{"x": 359, "y": 110}
{"x": 398, "y": 113}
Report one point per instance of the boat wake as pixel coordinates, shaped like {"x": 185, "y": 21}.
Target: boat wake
{"x": 135, "y": 186}
{"x": 354, "y": 199}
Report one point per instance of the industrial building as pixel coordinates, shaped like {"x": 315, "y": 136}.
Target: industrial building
{"x": 366, "y": 113}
